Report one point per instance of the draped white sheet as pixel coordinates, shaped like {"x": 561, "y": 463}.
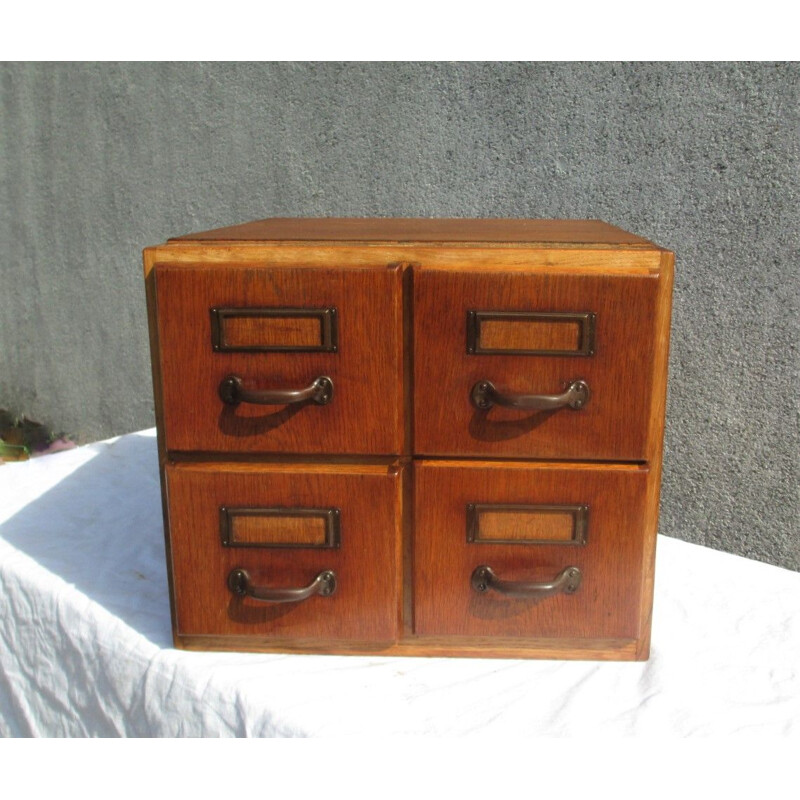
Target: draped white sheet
{"x": 85, "y": 644}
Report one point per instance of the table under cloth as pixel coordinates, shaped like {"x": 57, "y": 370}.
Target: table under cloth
{"x": 86, "y": 647}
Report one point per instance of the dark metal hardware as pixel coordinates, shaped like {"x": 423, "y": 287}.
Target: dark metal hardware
{"x": 331, "y": 517}
{"x": 580, "y": 522}
{"x": 328, "y": 323}
{"x": 476, "y": 318}
{"x": 240, "y": 584}
{"x": 320, "y": 391}
{"x": 484, "y": 395}
{"x": 566, "y": 582}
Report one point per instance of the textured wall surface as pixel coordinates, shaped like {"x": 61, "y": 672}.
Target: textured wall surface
{"x": 99, "y": 160}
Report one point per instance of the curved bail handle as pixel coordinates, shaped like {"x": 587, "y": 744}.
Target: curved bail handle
{"x": 485, "y": 394}
{"x": 232, "y": 392}
{"x": 240, "y": 584}
{"x": 566, "y": 582}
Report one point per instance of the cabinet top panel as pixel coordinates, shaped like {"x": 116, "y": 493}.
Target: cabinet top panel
{"x": 558, "y": 232}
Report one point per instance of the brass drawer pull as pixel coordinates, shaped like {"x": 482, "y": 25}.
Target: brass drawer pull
{"x": 320, "y": 392}
{"x": 484, "y": 395}
{"x": 567, "y": 582}
{"x": 240, "y": 584}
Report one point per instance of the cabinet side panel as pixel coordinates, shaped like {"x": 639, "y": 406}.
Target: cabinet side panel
{"x": 655, "y": 446}
{"x": 149, "y": 258}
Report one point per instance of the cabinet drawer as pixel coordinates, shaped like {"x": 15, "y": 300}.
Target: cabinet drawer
{"x": 239, "y": 530}
{"x": 231, "y": 337}
{"x": 528, "y": 523}
{"x": 532, "y": 336}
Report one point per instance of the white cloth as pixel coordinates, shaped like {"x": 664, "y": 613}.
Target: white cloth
{"x": 85, "y": 643}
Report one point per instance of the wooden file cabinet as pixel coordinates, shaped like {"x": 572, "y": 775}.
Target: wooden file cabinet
{"x": 411, "y": 437}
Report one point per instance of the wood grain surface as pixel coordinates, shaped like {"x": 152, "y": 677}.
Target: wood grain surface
{"x": 613, "y": 425}
{"x": 500, "y": 258}
{"x": 521, "y": 334}
{"x": 431, "y": 647}
{"x": 450, "y": 231}
{"x": 528, "y": 524}
{"x": 608, "y": 602}
{"x": 656, "y": 421}
{"x": 254, "y": 332}
{"x": 365, "y": 605}
{"x": 277, "y": 529}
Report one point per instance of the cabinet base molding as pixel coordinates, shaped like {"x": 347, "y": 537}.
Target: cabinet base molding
{"x": 562, "y": 649}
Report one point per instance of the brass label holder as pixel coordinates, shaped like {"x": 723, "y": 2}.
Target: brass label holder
{"x": 326, "y": 317}
{"x": 330, "y": 518}
{"x": 578, "y": 513}
{"x": 585, "y": 340}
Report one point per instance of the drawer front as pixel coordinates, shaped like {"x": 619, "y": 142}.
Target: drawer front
{"x": 539, "y": 339}
{"x": 238, "y": 531}
{"x": 230, "y": 338}
{"x": 529, "y": 524}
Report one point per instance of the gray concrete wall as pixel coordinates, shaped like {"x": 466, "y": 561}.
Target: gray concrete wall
{"x": 99, "y": 160}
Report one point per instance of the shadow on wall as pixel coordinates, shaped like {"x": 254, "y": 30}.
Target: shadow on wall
{"x": 100, "y": 529}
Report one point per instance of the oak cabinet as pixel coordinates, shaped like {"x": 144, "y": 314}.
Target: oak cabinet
{"x": 411, "y": 437}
